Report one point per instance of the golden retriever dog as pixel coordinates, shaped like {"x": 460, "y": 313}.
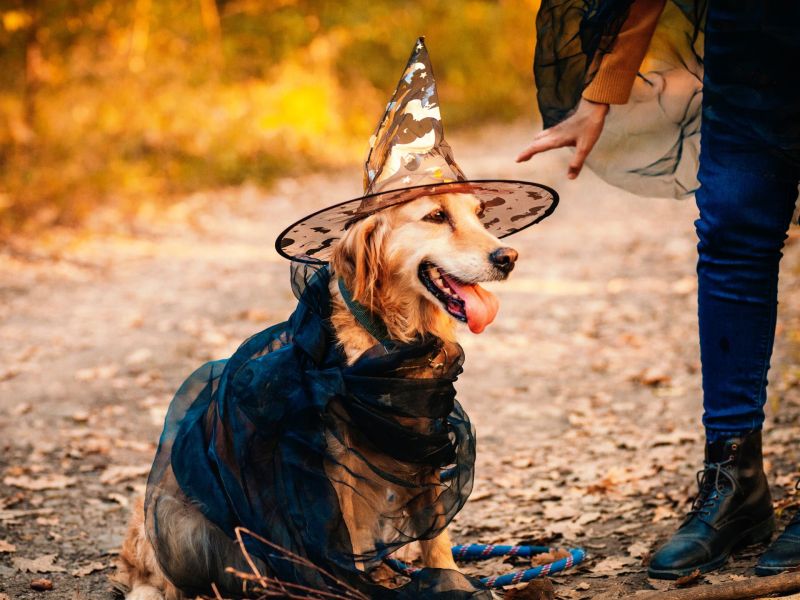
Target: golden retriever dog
{"x": 418, "y": 266}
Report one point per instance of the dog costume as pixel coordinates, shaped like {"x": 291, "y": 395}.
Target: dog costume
{"x": 252, "y": 440}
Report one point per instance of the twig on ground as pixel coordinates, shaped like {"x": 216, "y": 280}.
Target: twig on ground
{"x": 745, "y": 589}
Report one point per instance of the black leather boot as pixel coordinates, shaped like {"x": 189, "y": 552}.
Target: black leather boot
{"x": 732, "y": 509}
{"x": 784, "y": 553}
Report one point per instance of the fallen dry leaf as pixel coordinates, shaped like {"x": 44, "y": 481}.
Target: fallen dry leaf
{"x": 41, "y": 585}
{"x": 119, "y": 473}
{"x": 6, "y": 547}
{"x": 157, "y": 415}
{"x": 559, "y": 512}
{"x": 139, "y": 356}
{"x": 148, "y": 446}
{"x": 46, "y": 482}
{"x": 685, "y": 285}
{"x": 23, "y": 408}
{"x": 662, "y": 512}
{"x": 42, "y": 564}
{"x": 14, "y": 515}
{"x": 548, "y": 557}
{"x": 613, "y": 565}
{"x": 11, "y": 500}
{"x": 638, "y": 549}
{"x": 652, "y": 376}
{"x": 688, "y": 580}
{"x": 481, "y": 495}
{"x": 85, "y": 570}
{"x": 588, "y": 517}
{"x": 538, "y": 589}
{"x": 673, "y": 438}
{"x": 94, "y": 373}
{"x": 80, "y": 416}
{"x": 119, "y": 499}
{"x": 522, "y": 463}
{"x": 716, "y": 578}
{"x": 255, "y": 315}
{"x": 566, "y": 529}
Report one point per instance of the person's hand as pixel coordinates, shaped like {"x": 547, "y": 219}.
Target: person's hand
{"x": 581, "y": 129}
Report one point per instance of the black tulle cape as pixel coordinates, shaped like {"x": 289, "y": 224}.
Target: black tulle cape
{"x": 741, "y": 56}
{"x": 255, "y": 440}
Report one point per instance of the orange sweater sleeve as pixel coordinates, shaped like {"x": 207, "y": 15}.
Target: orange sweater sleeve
{"x": 618, "y": 69}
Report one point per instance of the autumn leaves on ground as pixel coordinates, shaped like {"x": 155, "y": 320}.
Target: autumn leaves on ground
{"x": 585, "y": 391}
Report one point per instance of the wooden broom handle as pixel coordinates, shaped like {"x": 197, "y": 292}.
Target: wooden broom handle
{"x": 745, "y": 589}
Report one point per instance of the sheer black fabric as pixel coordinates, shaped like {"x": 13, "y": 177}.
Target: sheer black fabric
{"x": 571, "y": 38}
{"x": 740, "y": 55}
{"x": 650, "y": 145}
{"x": 264, "y": 439}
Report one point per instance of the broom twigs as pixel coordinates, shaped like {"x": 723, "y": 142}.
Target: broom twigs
{"x": 286, "y": 590}
{"x": 349, "y": 592}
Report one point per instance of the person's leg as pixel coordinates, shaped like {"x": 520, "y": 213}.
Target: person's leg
{"x": 749, "y": 175}
{"x": 746, "y": 201}
{"x": 784, "y": 553}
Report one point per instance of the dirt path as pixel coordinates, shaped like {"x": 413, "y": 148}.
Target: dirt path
{"x": 585, "y": 392}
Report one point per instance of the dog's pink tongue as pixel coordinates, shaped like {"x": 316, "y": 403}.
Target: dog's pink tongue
{"x": 481, "y": 305}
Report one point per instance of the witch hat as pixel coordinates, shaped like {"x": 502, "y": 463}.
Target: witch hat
{"x": 409, "y": 158}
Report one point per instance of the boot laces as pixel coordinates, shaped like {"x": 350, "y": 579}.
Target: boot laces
{"x": 711, "y": 480}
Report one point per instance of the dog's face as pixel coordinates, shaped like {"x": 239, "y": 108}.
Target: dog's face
{"x": 445, "y": 252}
{"x": 431, "y": 253}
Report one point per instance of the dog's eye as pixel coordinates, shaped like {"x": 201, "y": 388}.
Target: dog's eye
{"x": 437, "y": 216}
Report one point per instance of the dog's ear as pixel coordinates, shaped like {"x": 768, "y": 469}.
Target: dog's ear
{"x": 360, "y": 257}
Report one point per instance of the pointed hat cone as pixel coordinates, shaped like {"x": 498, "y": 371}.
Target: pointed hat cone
{"x": 408, "y": 147}
{"x": 409, "y": 158}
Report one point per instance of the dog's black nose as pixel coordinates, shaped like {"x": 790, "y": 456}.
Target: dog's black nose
{"x": 504, "y": 259}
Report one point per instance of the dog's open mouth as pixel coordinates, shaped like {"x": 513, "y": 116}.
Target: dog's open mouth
{"x": 467, "y": 302}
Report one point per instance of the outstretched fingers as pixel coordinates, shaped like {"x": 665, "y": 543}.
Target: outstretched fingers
{"x": 576, "y": 164}
{"x": 581, "y": 129}
{"x": 544, "y": 141}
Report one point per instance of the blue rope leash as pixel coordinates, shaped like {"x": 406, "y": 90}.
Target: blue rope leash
{"x": 472, "y": 552}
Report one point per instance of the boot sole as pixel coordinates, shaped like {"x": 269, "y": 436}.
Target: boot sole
{"x": 767, "y": 571}
{"x": 757, "y": 534}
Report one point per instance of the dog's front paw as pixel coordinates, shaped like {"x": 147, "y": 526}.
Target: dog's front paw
{"x": 144, "y": 592}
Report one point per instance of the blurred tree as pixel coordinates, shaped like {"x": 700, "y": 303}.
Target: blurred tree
{"x": 123, "y": 102}
{"x": 33, "y": 61}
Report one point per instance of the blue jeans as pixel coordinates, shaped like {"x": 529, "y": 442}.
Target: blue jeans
{"x": 748, "y": 189}
{"x": 746, "y": 201}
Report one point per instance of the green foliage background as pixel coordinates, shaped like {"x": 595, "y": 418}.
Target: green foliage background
{"x": 114, "y": 101}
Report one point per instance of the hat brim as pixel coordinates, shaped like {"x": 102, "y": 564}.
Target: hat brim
{"x": 509, "y": 206}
